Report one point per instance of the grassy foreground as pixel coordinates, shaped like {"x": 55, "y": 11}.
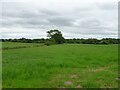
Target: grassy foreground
{"x": 68, "y": 65}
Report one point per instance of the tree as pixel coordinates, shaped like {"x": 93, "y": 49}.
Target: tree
{"x": 104, "y": 41}
{"x": 55, "y": 36}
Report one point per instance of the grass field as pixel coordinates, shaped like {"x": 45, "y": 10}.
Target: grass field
{"x": 67, "y": 65}
{"x": 11, "y": 45}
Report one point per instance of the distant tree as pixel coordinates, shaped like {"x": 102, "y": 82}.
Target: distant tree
{"x": 104, "y": 41}
{"x": 55, "y": 36}
{"x": 10, "y": 40}
{"x": 91, "y": 41}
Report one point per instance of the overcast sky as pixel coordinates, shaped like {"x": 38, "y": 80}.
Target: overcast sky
{"x": 75, "y": 18}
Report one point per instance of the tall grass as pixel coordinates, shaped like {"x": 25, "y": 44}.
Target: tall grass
{"x": 52, "y": 66}
{"x": 11, "y": 45}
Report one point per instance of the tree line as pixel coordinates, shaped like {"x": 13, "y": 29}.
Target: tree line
{"x": 55, "y": 37}
{"x": 70, "y": 41}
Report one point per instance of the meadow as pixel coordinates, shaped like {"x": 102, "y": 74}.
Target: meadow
{"x": 59, "y": 66}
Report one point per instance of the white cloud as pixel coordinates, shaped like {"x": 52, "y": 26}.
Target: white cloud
{"x": 75, "y": 18}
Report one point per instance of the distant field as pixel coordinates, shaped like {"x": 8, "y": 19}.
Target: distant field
{"x": 14, "y": 45}
{"x": 67, "y": 65}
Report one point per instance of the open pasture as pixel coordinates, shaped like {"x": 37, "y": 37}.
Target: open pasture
{"x": 67, "y": 65}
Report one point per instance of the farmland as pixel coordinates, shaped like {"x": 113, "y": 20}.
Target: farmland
{"x": 55, "y": 66}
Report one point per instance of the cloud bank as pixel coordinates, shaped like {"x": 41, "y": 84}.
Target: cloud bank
{"x": 75, "y": 18}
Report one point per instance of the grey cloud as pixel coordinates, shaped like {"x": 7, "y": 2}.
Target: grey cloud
{"x": 49, "y": 12}
{"x": 24, "y": 17}
{"x": 22, "y": 34}
{"x": 85, "y": 31}
{"x": 29, "y": 19}
{"x": 93, "y": 26}
{"x": 96, "y": 26}
{"x": 79, "y": 20}
{"x": 107, "y": 6}
{"x": 90, "y": 24}
{"x": 61, "y": 21}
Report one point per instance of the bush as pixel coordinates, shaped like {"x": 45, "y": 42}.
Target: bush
{"x": 48, "y": 43}
{"x": 104, "y": 42}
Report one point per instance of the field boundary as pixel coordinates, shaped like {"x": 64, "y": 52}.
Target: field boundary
{"x": 19, "y": 47}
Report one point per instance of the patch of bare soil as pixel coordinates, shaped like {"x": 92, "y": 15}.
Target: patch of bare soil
{"x": 68, "y": 83}
{"x": 97, "y": 69}
{"x": 73, "y": 76}
{"x": 78, "y": 86}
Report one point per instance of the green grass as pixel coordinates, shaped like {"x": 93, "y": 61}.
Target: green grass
{"x": 11, "y": 45}
{"x": 68, "y": 65}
